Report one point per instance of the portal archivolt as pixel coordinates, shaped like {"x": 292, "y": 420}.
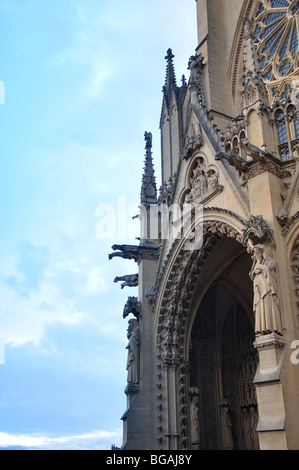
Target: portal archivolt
{"x": 205, "y": 345}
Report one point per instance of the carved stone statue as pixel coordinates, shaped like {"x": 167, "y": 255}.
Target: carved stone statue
{"x": 212, "y": 180}
{"x": 202, "y": 183}
{"x": 148, "y": 140}
{"x": 246, "y": 428}
{"x": 133, "y": 335}
{"x": 195, "y": 65}
{"x": 194, "y": 418}
{"x": 253, "y": 426}
{"x": 265, "y": 304}
{"x": 226, "y": 426}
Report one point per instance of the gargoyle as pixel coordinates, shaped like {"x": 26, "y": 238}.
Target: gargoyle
{"x": 125, "y": 251}
{"x": 233, "y": 160}
{"x": 131, "y": 280}
{"x": 254, "y": 152}
{"x": 132, "y": 306}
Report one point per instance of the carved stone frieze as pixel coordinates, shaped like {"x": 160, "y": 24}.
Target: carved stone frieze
{"x": 288, "y": 223}
{"x": 258, "y": 168}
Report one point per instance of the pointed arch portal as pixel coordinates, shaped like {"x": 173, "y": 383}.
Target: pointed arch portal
{"x": 223, "y": 360}
{"x": 222, "y": 356}
{"x": 223, "y": 363}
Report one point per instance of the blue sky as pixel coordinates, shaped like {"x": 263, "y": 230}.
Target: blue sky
{"x": 82, "y": 81}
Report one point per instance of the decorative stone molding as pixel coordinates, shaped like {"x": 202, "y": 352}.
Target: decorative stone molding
{"x": 257, "y": 231}
{"x": 288, "y": 223}
{"x": 193, "y": 143}
{"x": 260, "y": 168}
{"x": 269, "y": 342}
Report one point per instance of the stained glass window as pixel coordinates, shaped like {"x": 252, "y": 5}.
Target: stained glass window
{"x": 281, "y": 128}
{"x": 276, "y": 33}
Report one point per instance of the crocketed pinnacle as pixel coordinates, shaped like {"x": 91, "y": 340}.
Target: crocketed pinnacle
{"x": 148, "y": 187}
{"x": 170, "y": 80}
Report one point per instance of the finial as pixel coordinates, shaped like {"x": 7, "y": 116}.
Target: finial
{"x": 148, "y": 140}
{"x": 169, "y": 55}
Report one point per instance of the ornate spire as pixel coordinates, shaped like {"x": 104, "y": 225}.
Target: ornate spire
{"x": 148, "y": 188}
{"x": 170, "y": 80}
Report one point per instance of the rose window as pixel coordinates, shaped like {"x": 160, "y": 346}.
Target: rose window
{"x": 276, "y": 33}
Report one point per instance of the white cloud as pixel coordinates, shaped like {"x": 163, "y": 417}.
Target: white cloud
{"x": 24, "y": 318}
{"x": 97, "y": 440}
{"x": 95, "y": 281}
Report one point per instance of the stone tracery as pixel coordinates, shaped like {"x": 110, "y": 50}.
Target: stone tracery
{"x": 277, "y": 37}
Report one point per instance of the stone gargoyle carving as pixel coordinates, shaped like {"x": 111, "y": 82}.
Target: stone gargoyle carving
{"x": 132, "y": 306}
{"x": 233, "y": 160}
{"x": 130, "y": 280}
{"x": 125, "y": 251}
{"x": 254, "y": 152}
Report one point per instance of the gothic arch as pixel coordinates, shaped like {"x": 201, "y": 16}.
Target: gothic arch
{"x": 180, "y": 293}
{"x": 222, "y": 368}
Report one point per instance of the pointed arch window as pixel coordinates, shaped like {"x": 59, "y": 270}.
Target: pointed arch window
{"x": 282, "y": 134}
{"x": 294, "y": 122}
{"x": 281, "y": 127}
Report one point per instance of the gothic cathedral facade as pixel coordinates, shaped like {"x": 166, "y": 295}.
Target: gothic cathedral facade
{"x": 214, "y": 332}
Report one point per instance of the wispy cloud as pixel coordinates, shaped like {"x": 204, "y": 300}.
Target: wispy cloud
{"x": 95, "y": 440}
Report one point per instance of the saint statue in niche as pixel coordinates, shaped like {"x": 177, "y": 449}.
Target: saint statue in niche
{"x": 194, "y": 408}
{"x": 265, "y": 303}
{"x": 226, "y": 426}
{"x": 133, "y": 335}
{"x": 202, "y": 183}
